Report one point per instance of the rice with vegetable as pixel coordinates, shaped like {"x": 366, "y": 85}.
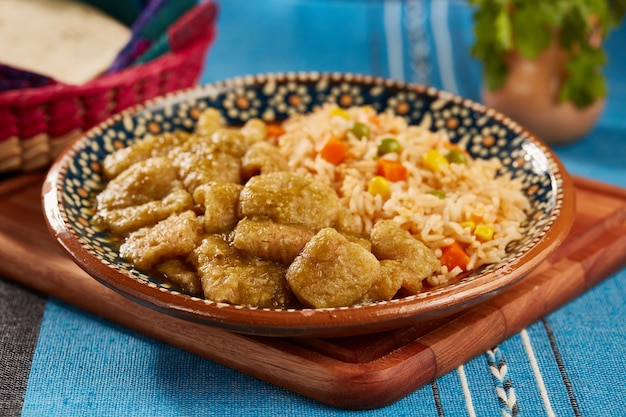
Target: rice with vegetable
{"x": 383, "y": 168}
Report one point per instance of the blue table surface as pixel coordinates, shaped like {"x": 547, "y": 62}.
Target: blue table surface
{"x": 570, "y": 363}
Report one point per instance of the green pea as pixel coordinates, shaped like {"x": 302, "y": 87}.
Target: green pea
{"x": 360, "y": 130}
{"x": 438, "y": 193}
{"x": 456, "y": 157}
{"x": 388, "y": 145}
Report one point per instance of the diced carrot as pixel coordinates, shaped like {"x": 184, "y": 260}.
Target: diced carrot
{"x": 477, "y": 217}
{"x": 373, "y": 119}
{"x": 454, "y": 255}
{"x": 392, "y": 170}
{"x": 274, "y": 130}
{"x": 450, "y": 145}
{"x": 334, "y": 151}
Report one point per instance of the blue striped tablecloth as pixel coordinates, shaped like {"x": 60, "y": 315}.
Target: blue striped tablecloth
{"x": 56, "y": 360}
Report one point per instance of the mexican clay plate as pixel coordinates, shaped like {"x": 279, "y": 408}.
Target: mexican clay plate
{"x": 75, "y": 179}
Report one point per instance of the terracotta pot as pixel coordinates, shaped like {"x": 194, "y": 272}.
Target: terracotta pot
{"x": 529, "y": 96}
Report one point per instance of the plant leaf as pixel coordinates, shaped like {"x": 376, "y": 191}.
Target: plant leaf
{"x": 503, "y": 30}
{"x": 533, "y": 33}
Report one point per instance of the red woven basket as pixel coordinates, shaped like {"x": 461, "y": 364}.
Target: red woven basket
{"x": 36, "y": 124}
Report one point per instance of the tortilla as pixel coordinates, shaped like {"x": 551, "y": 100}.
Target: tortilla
{"x": 68, "y": 41}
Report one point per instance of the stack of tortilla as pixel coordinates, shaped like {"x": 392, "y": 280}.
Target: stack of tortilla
{"x": 68, "y": 41}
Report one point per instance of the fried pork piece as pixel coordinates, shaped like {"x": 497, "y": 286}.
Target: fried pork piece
{"x": 268, "y": 240}
{"x": 332, "y": 272}
{"x": 182, "y": 275}
{"x": 390, "y": 241}
{"x": 148, "y": 147}
{"x": 359, "y": 240}
{"x": 229, "y": 276}
{"x": 290, "y": 199}
{"x": 125, "y": 220}
{"x": 203, "y": 159}
{"x": 262, "y": 158}
{"x": 209, "y": 121}
{"x": 173, "y": 237}
{"x": 230, "y": 140}
{"x": 392, "y": 275}
{"x": 142, "y": 182}
{"x": 346, "y": 222}
{"x": 254, "y": 130}
{"x": 220, "y": 201}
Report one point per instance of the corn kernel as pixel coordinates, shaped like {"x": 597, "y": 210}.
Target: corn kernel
{"x": 469, "y": 224}
{"x": 379, "y": 186}
{"x": 483, "y": 232}
{"x": 338, "y": 111}
{"x": 435, "y": 161}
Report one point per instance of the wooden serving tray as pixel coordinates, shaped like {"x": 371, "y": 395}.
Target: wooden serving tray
{"x": 359, "y": 372}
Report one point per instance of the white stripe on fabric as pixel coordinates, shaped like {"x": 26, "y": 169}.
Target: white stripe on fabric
{"x": 419, "y": 50}
{"x": 393, "y": 38}
{"x": 468, "y": 395}
{"x": 535, "y": 367}
{"x": 443, "y": 44}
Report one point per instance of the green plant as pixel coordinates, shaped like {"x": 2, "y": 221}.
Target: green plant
{"x": 529, "y": 27}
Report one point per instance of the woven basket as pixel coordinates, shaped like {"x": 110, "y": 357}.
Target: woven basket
{"x": 36, "y": 124}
